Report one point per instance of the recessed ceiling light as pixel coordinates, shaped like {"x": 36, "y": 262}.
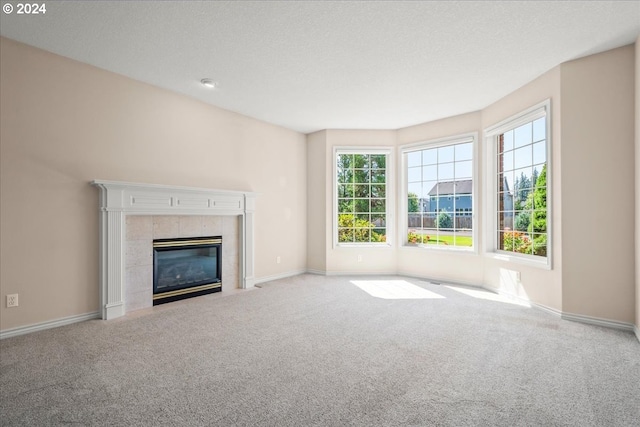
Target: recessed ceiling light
{"x": 208, "y": 83}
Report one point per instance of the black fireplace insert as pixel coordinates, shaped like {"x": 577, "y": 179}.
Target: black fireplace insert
{"x": 186, "y": 267}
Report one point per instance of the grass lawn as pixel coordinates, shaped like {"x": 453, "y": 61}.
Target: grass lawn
{"x": 448, "y": 240}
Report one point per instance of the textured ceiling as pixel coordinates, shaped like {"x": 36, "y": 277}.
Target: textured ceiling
{"x": 332, "y": 65}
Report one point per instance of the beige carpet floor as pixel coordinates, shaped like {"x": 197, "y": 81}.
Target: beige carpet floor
{"x": 325, "y": 351}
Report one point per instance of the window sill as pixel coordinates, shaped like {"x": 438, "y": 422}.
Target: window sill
{"x": 362, "y": 245}
{"x": 544, "y": 263}
{"x": 441, "y": 249}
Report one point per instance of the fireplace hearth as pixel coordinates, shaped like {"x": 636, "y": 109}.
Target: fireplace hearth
{"x": 186, "y": 268}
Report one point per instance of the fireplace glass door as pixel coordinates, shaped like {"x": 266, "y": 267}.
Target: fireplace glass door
{"x": 187, "y": 267}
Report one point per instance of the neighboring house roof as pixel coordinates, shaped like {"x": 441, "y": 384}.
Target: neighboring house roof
{"x": 447, "y": 187}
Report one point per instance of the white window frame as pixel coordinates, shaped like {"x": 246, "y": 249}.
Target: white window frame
{"x": 389, "y": 194}
{"x": 404, "y": 208}
{"x": 491, "y": 134}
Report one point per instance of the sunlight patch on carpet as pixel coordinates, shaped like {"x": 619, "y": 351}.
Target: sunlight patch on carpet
{"x": 394, "y": 289}
{"x": 489, "y": 296}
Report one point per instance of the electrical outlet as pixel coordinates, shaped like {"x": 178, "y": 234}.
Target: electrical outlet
{"x": 278, "y": 259}
{"x": 12, "y": 300}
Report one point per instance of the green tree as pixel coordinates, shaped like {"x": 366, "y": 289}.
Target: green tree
{"x": 352, "y": 229}
{"x": 444, "y": 220}
{"x": 414, "y": 204}
{"x": 521, "y": 189}
{"x": 539, "y": 219}
{"x": 523, "y": 219}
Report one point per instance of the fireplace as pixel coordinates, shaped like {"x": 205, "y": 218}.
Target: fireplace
{"x": 186, "y": 267}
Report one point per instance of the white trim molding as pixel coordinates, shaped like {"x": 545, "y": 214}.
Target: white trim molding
{"x": 606, "y": 323}
{"x": 389, "y": 195}
{"x": 490, "y": 134}
{"x": 273, "y": 277}
{"x": 119, "y": 199}
{"x": 23, "y": 330}
{"x": 404, "y": 150}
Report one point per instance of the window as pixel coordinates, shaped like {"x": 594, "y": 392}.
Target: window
{"x": 361, "y": 196}
{"x": 439, "y": 177}
{"x": 521, "y": 184}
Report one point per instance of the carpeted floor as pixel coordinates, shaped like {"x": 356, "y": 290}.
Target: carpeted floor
{"x": 314, "y": 350}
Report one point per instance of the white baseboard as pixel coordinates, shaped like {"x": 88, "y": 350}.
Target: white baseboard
{"x": 317, "y": 272}
{"x": 525, "y": 301}
{"x": 278, "y": 276}
{"x": 22, "y": 330}
{"x": 439, "y": 281}
{"x": 612, "y": 324}
{"x": 360, "y": 273}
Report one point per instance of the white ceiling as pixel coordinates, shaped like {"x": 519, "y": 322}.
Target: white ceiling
{"x": 332, "y": 65}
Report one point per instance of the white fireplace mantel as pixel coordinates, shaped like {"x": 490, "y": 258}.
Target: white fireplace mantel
{"x": 118, "y": 199}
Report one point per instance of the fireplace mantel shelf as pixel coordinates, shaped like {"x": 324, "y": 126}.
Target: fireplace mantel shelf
{"x": 118, "y": 199}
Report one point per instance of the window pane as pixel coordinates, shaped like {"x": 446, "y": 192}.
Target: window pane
{"x": 523, "y": 178}
{"x": 505, "y": 201}
{"x": 523, "y": 135}
{"x": 505, "y": 181}
{"x": 361, "y": 235}
{"x": 508, "y": 140}
{"x": 378, "y": 176}
{"x": 539, "y": 129}
{"x": 360, "y": 161}
{"x": 362, "y": 190}
{"x": 507, "y": 161}
{"x": 413, "y": 205}
{"x": 414, "y": 158}
{"x": 345, "y": 205}
{"x": 345, "y": 190}
{"x": 445, "y": 154}
{"x": 345, "y": 235}
{"x": 362, "y": 205}
{"x": 362, "y": 220}
{"x": 378, "y": 161}
{"x": 430, "y": 188}
{"x": 378, "y": 220}
{"x": 414, "y": 174}
{"x": 539, "y": 153}
{"x": 430, "y": 157}
{"x": 463, "y": 169}
{"x": 345, "y": 175}
{"x": 378, "y": 190}
{"x": 523, "y": 157}
{"x": 361, "y": 176}
{"x": 430, "y": 173}
{"x": 445, "y": 172}
{"x": 464, "y": 152}
{"x": 522, "y": 220}
{"x": 415, "y": 189}
{"x": 378, "y": 205}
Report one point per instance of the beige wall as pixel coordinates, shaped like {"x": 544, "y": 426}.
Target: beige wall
{"x": 637, "y": 181}
{"x": 65, "y": 123}
{"x": 316, "y": 209}
{"x": 598, "y": 185}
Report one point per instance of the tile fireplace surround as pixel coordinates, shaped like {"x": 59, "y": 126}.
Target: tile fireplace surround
{"x": 166, "y": 211}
